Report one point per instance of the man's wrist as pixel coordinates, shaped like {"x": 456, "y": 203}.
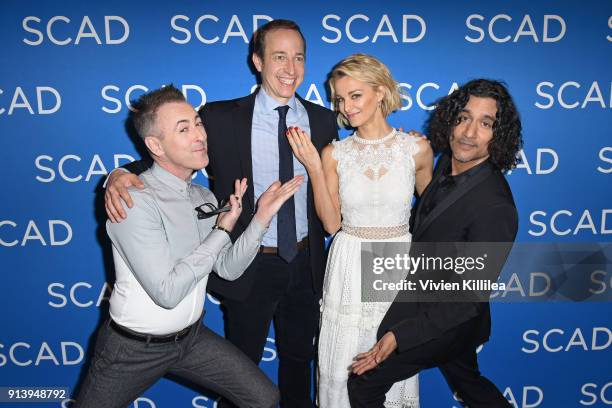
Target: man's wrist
{"x": 263, "y": 220}
{"x": 220, "y": 228}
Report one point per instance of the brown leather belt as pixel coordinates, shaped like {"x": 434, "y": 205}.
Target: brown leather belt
{"x": 303, "y": 244}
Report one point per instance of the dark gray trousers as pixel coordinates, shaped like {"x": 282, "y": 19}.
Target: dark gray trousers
{"x": 122, "y": 369}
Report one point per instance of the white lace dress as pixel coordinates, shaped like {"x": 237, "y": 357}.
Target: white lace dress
{"x": 376, "y": 187}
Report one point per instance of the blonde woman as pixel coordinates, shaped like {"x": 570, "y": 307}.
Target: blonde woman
{"x": 363, "y": 187}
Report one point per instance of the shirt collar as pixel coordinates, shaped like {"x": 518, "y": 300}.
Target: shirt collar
{"x": 170, "y": 179}
{"x": 461, "y": 177}
{"x": 267, "y": 104}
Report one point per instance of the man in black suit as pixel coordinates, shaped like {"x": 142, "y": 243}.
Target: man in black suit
{"x": 478, "y": 131}
{"x": 246, "y": 138}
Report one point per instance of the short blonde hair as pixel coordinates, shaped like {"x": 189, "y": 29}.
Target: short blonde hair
{"x": 366, "y": 68}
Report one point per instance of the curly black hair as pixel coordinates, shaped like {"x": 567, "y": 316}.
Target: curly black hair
{"x": 507, "y": 139}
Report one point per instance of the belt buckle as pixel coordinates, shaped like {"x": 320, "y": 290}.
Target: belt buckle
{"x": 177, "y": 337}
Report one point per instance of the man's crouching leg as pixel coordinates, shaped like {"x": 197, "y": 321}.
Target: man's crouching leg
{"x": 214, "y": 363}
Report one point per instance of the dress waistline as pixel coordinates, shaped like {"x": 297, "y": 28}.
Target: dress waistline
{"x": 394, "y": 231}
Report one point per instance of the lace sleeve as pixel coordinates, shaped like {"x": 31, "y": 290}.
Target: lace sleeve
{"x": 336, "y": 152}
{"x": 410, "y": 144}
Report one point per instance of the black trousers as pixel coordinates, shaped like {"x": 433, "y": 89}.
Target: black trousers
{"x": 282, "y": 293}
{"x": 452, "y": 353}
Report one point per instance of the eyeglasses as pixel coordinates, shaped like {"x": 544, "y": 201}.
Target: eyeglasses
{"x": 208, "y": 210}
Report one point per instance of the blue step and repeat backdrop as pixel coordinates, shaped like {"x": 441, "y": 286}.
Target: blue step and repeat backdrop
{"x": 69, "y": 70}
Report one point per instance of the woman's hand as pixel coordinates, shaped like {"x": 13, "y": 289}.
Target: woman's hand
{"x": 304, "y": 150}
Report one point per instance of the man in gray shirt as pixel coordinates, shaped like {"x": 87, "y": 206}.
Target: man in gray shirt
{"x": 163, "y": 253}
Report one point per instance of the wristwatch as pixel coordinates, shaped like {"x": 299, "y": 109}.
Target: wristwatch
{"x": 217, "y": 227}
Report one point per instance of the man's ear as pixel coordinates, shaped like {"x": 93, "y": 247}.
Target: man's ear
{"x": 154, "y": 145}
{"x": 257, "y": 62}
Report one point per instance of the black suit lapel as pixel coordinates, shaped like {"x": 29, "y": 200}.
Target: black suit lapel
{"x": 450, "y": 199}
{"x": 242, "y": 138}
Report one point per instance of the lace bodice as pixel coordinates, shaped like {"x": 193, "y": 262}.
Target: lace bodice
{"x": 376, "y": 179}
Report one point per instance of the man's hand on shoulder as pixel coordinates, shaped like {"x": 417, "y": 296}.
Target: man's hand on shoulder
{"x": 117, "y": 190}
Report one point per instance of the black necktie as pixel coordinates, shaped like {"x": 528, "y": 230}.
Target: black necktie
{"x": 285, "y": 221}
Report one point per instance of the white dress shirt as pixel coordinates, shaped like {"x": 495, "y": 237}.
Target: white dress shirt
{"x": 163, "y": 255}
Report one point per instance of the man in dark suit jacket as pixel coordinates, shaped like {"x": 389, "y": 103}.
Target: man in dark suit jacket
{"x": 246, "y": 139}
{"x": 478, "y": 131}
